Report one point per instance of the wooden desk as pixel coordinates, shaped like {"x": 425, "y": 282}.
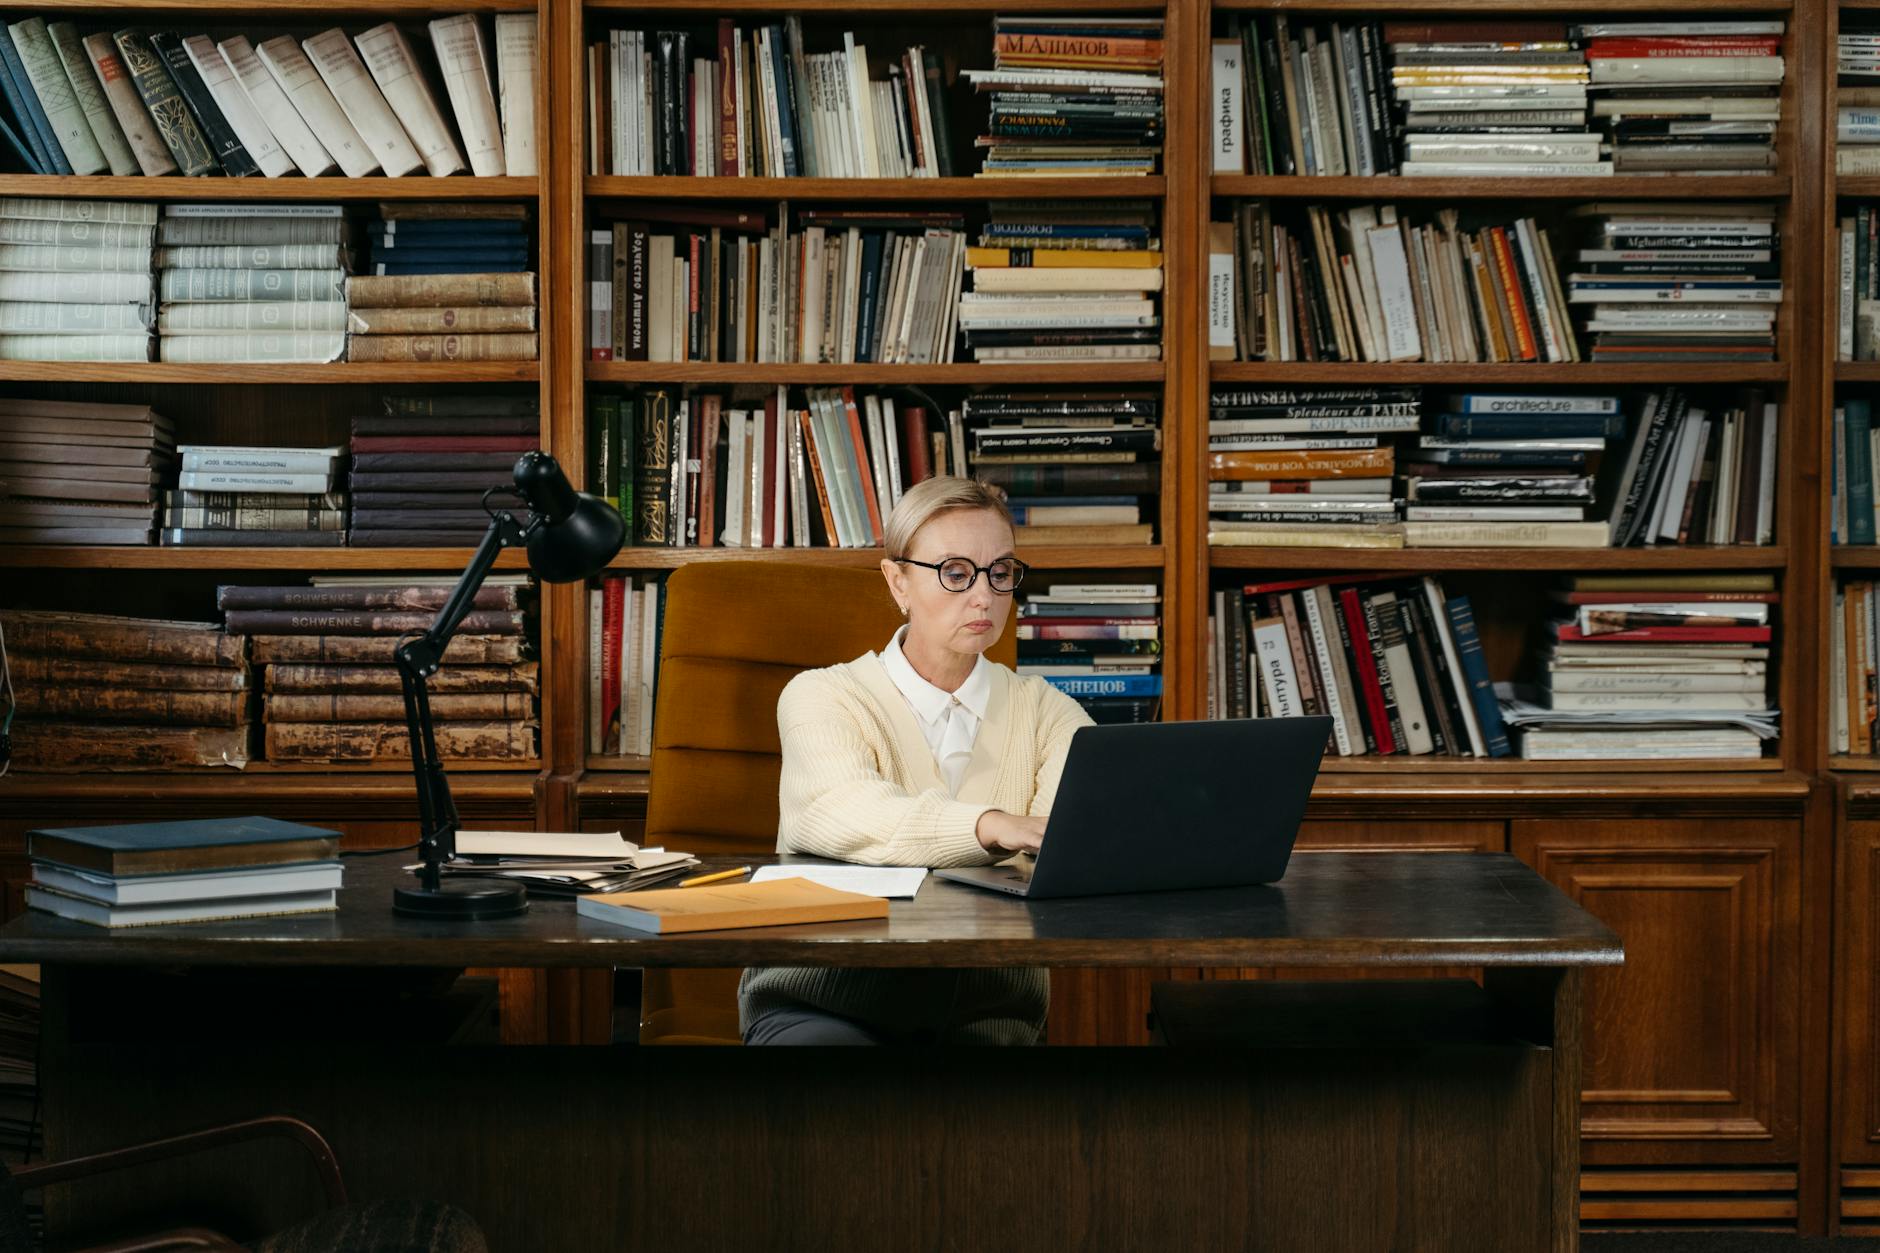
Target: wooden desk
{"x": 1347, "y": 1144}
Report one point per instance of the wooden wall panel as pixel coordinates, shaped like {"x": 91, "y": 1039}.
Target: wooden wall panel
{"x": 1692, "y": 1047}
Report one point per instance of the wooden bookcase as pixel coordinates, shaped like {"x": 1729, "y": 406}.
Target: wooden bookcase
{"x": 1716, "y": 1072}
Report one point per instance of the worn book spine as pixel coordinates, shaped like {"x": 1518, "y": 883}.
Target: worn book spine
{"x": 301, "y": 83}
{"x": 273, "y": 317}
{"x": 88, "y": 91}
{"x": 516, "y": 57}
{"x": 38, "y": 669}
{"x": 78, "y": 747}
{"x": 257, "y": 518}
{"x": 88, "y": 636}
{"x": 418, "y": 598}
{"x": 300, "y": 677}
{"x": 158, "y": 706}
{"x": 36, "y": 129}
{"x": 395, "y": 69}
{"x": 253, "y": 346}
{"x": 465, "y": 62}
{"x": 189, "y": 148}
{"x": 423, "y": 291}
{"x": 442, "y": 348}
{"x": 362, "y": 622}
{"x": 49, "y": 81}
{"x": 242, "y": 118}
{"x": 101, "y": 258}
{"x": 391, "y": 741}
{"x": 92, "y": 347}
{"x": 361, "y": 101}
{"x": 271, "y": 285}
{"x": 277, "y": 113}
{"x": 377, "y": 707}
{"x": 469, "y": 319}
{"x": 370, "y": 650}
{"x": 235, "y": 160}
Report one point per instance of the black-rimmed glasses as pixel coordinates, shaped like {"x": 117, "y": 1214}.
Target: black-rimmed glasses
{"x": 957, "y": 574}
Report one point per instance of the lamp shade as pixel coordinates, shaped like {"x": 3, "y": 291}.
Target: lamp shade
{"x": 579, "y": 534}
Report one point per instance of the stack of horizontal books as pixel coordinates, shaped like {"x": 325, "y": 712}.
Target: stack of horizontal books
{"x": 1395, "y": 663}
{"x": 332, "y": 693}
{"x": 1857, "y": 99}
{"x": 248, "y": 282}
{"x": 1699, "y": 96}
{"x": 1098, "y": 643}
{"x": 378, "y": 305}
{"x": 143, "y": 874}
{"x": 1097, "y": 434}
{"x": 564, "y": 865}
{"x": 97, "y": 692}
{"x": 1675, "y": 281}
{"x": 421, "y": 464}
{"x": 81, "y": 472}
{"x": 1065, "y": 281}
{"x": 75, "y": 279}
{"x": 1651, "y": 666}
{"x": 1073, "y": 95}
{"x": 231, "y": 496}
{"x": 1306, "y": 466}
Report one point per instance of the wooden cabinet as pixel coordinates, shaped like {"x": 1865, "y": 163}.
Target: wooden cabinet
{"x": 1693, "y": 1046}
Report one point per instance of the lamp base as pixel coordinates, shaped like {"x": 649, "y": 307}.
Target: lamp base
{"x": 461, "y": 901}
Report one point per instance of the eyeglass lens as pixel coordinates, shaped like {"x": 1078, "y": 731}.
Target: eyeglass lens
{"x": 957, "y": 574}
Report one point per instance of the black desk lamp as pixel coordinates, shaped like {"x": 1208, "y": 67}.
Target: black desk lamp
{"x": 570, "y": 535}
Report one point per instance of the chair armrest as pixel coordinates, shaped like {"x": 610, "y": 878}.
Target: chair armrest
{"x": 165, "y": 1241}
{"x": 273, "y": 1127}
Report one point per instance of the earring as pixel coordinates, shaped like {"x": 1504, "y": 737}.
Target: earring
{"x": 904, "y": 611}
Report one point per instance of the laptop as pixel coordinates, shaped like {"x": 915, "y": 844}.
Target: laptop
{"x": 1156, "y": 806}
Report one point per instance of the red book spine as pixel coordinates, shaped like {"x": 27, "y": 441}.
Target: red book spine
{"x": 865, "y": 477}
{"x": 1672, "y": 635}
{"x": 813, "y": 456}
{"x": 1374, "y": 711}
{"x": 916, "y": 456}
{"x": 1506, "y": 269}
{"x": 712, "y": 407}
{"x": 767, "y": 523}
{"x": 445, "y": 443}
{"x": 695, "y": 341}
{"x": 1717, "y": 46}
{"x": 613, "y": 612}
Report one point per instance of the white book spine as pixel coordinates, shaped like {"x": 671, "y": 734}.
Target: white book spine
{"x": 516, "y": 77}
{"x": 270, "y": 158}
{"x": 460, "y": 54}
{"x": 266, "y": 98}
{"x": 47, "y": 80}
{"x": 1273, "y": 659}
{"x": 736, "y": 474}
{"x": 83, "y": 347}
{"x": 1844, "y": 307}
{"x": 301, "y": 83}
{"x": 1766, "y": 491}
{"x": 225, "y": 316}
{"x": 1225, "y": 110}
{"x": 253, "y": 346}
{"x": 394, "y": 68}
{"x": 779, "y": 436}
{"x": 760, "y": 471}
{"x": 1415, "y": 719}
{"x": 628, "y": 737}
{"x": 649, "y": 654}
{"x": 1397, "y": 302}
{"x": 799, "y": 473}
{"x": 76, "y": 289}
{"x": 89, "y": 92}
{"x": 863, "y": 117}
{"x": 359, "y": 98}
{"x": 139, "y": 129}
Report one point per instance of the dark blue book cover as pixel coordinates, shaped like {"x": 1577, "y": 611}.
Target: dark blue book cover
{"x": 1475, "y": 670}
{"x": 1528, "y": 426}
{"x": 138, "y": 837}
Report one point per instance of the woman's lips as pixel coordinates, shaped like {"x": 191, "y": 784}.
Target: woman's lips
{"x": 980, "y": 626}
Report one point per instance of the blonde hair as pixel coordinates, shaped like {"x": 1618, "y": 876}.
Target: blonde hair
{"x": 930, "y": 498}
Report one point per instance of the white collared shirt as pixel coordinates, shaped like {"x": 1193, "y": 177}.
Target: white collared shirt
{"x": 949, "y": 720}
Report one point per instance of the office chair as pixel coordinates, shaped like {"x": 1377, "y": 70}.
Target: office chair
{"x": 735, "y": 633}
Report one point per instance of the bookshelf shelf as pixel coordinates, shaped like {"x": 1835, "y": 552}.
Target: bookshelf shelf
{"x": 325, "y": 790}
{"x": 1858, "y": 184}
{"x": 1854, "y": 557}
{"x": 920, "y": 7}
{"x": 439, "y": 373}
{"x": 1509, "y": 374}
{"x": 597, "y": 762}
{"x": 1466, "y": 8}
{"x": 1392, "y": 187}
{"x": 293, "y": 187}
{"x": 1093, "y": 372}
{"x": 78, "y": 557}
{"x": 1504, "y": 780}
{"x": 293, "y": 10}
{"x": 870, "y": 190}
{"x": 1053, "y": 557}
{"x": 1859, "y": 765}
{"x": 1857, "y": 371}
{"x": 1429, "y": 765}
{"x": 1435, "y": 559}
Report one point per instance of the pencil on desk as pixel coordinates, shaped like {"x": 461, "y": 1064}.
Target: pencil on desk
{"x": 719, "y": 877}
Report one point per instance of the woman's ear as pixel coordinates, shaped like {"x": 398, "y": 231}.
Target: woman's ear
{"x": 892, "y": 572}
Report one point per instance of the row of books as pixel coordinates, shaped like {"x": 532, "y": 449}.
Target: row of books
{"x": 764, "y": 470}
{"x": 1098, "y": 643}
{"x": 758, "y": 104}
{"x": 626, "y": 621}
{"x": 1854, "y": 641}
{"x": 1654, "y": 666}
{"x": 1494, "y": 98}
{"x": 1653, "y": 281}
{"x": 1852, "y": 508}
{"x": 146, "y": 874}
{"x": 1857, "y": 330}
{"x": 1396, "y": 664}
{"x": 160, "y": 102}
{"x": 1316, "y": 467}
{"x": 1072, "y": 96}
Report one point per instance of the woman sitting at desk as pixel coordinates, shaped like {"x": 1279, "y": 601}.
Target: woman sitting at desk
{"x": 922, "y": 754}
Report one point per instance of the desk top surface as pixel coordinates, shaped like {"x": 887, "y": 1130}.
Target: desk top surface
{"x": 1331, "y": 909}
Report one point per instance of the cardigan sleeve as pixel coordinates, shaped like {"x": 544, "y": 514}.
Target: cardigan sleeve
{"x": 833, "y": 801}
{"x": 1059, "y": 717}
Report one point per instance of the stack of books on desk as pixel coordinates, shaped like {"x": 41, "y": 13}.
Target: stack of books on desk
{"x": 1099, "y": 643}
{"x": 80, "y": 472}
{"x": 565, "y": 865}
{"x": 332, "y": 693}
{"x": 251, "y": 283}
{"x": 141, "y": 874}
{"x": 97, "y": 692}
{"x": 231, "y": 496}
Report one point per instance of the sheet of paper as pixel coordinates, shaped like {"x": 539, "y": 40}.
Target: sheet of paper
{"x": 608, "y": 846}
{"x": 889, "y": 881}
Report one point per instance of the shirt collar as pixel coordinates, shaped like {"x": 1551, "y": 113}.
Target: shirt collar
{"x": 930, "y": 702}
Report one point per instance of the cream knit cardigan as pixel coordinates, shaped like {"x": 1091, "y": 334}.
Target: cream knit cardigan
{"x": 859, "y": 783}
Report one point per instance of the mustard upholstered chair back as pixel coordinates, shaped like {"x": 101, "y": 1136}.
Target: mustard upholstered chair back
{"x": 735, "y": 633}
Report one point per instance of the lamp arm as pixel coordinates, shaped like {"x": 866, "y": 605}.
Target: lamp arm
{"x": 417, "y": 658}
